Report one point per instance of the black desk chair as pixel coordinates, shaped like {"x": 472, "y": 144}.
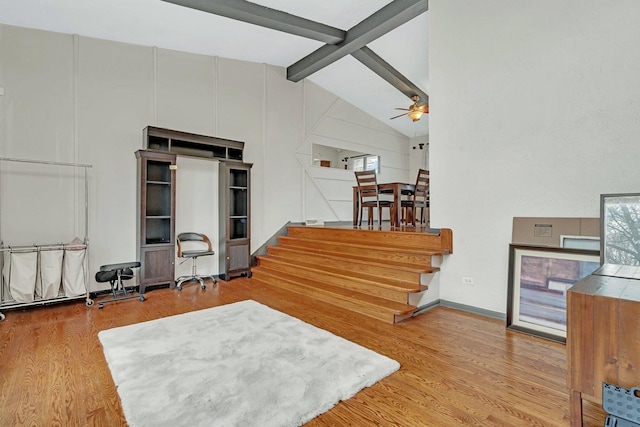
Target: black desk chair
{"x": 115, "y": 274}
{"x": 205, "y": 249}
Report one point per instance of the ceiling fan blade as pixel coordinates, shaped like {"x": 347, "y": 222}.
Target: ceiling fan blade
{"x": 403, "y": 114}
{"x": 405, "y": 109}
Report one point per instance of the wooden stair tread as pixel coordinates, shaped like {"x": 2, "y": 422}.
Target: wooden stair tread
{"x": 359, "y": 252}
{"x": 388, "y": 283}
{"x": 400, "y": 240}
{"x": 386, "y": 248}
{"x": 336, "y": 257}
{"x": 315, "y": 286}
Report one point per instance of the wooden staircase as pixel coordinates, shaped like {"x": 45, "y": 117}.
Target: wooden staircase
{"x": 368, "y": 271}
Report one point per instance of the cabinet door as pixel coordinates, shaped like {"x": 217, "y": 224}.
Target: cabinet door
{"x": 238, "y": 258}
{"x": 157, "y": 264}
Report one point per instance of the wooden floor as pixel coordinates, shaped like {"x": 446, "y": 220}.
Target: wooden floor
{"x": 457, "y": 368}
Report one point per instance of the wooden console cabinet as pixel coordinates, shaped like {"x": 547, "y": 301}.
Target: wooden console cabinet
{"x": 603, "y": 335}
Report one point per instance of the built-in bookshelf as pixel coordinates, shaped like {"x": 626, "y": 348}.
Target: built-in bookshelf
{"x": 156, "y": 217}
{"x": 235, "y": 219}
{"x": 156, "y": 202}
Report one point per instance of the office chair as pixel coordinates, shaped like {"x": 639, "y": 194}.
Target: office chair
{"x": 115, "y": 274}
{"x": 194, "y": 254}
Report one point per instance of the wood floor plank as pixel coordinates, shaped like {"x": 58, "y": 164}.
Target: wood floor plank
{"x": 457, "y": 368}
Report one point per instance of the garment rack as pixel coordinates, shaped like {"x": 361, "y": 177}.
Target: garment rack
{"x": 48, "y": 247}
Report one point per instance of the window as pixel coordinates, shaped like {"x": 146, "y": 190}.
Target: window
{"x": 364, "y": 163}
{"x": 340, "y": 158}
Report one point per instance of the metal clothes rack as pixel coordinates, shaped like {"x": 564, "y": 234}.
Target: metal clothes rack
{"x": 48, "y": 247}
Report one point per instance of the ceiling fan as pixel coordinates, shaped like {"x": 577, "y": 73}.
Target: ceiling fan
{"x": 415, "y": 111}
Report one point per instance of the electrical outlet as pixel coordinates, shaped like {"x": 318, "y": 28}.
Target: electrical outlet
{"x": 467, "y": 280}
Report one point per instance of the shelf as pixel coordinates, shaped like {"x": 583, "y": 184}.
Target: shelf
{"x": 235, "y": 219}
{"x": 238, "y": 228}
{"x": 158, "y": 230}
{"x": 158, "y": 143}
{"x": 194, "y": 145}
{"x": 158, "y": 241}
{"x": 158, "y": 201}
{"x": 238, "y": 178}
{"x": 158, "y": 171}
{"x": 238, "y": 202}
{"x": 156, "y": 210}
{"x": 234, "y": 154}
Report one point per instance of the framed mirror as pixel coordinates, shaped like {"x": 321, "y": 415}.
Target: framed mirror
{"x": 620, "y": 229}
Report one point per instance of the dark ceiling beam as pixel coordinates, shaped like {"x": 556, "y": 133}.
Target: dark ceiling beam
{"x": 339, "y": 43}
{"x": 384, "y": 20}
{"x": 252, "y": 13}
{"x": 390, "y": 74}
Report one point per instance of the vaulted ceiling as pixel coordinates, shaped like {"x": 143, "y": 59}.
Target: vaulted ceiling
{"x": 372, "y": 53}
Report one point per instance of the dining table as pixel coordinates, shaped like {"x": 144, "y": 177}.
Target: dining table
{"x": 398, "y": 189}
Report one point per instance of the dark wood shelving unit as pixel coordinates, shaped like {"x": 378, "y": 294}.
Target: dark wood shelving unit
{"x": 194, "y": 145}
{"x": 156, "y": 217}
{"x": 235, "y": 219}
{"x": 156, "y": 202}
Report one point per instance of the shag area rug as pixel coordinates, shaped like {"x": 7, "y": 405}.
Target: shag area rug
{"x": 241, "y": 364}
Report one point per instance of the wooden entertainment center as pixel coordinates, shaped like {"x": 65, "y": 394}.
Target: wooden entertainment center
{"x": 156, "y": 202}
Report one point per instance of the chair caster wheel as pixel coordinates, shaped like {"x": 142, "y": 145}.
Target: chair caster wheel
{"x": 203, "y": 287}
{"x": 179, "y": 288}
{"x": 100, "y": 306}
{"x": 142, "y": 298}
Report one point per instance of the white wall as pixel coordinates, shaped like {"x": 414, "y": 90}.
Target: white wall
{"x": 534, "y": 111}
{"x": 332, "y": 122}
{"x": 77, "y": 99}
{"x": 197, "y": 210}
{"x": 418, "y": 157}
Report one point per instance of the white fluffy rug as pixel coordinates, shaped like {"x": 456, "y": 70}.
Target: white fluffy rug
{"x": 241, "y": 364}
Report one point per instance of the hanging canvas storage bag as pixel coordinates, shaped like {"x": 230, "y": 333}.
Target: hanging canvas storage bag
{"x": 23, "y": 270}
{"x": 6, "y": 261}
{"x": 73, "y": 273}
{"x": 50, "y": 273}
